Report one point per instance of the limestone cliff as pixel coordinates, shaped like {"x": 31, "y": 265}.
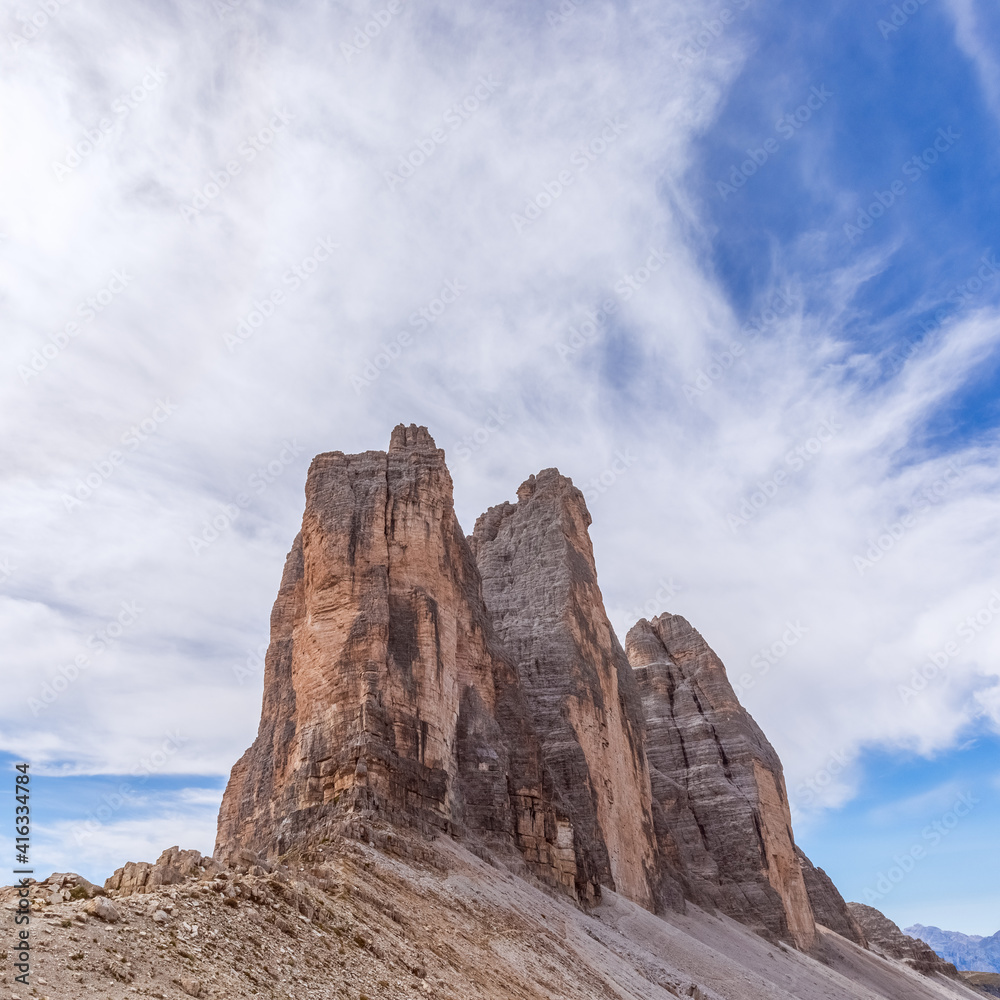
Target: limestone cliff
{"x": 387, "y": 699}
{"x": 420, "y": 682}
{"x": 540, "y": 586}
{"x": 724, "y": 821}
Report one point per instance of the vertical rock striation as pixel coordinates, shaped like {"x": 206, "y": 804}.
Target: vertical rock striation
{"x": 723, "y": 818}
{"x": 540, "y": 586}
{"x": 387, "y": 699}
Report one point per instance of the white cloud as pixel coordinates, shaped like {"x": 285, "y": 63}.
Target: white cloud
{"x": 971, "y": 34}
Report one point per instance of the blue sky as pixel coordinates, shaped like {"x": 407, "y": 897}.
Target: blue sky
{"x": 178, "y": 165}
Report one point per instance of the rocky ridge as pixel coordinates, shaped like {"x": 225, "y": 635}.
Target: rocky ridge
{"x": 965, "y": 951}
{"x": 421, "y": 682}
{"x": 886, "y": 938}
{"x": 348, "y": 921}
{"x": 986, "y": 982}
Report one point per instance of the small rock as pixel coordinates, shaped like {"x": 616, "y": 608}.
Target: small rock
{"x": 192, "y": 987}
{"x": 119, "y": 970}
{"x": 161, "y": 917}
{"x": 102, "y": 908}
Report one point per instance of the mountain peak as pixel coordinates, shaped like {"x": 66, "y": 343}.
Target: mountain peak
{"x": 411, "y": 438}
{"x": 419, "y": 682}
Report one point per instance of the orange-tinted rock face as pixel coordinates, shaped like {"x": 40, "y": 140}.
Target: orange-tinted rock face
{"x": 540, "y": 585}
{"x": 724, "y": 822}
{"x": 387, "y": 699}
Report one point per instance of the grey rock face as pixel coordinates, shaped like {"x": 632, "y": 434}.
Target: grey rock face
{"x": 723, "y": 818}
{"x": 540, "y": 586}
{"x": 886, "y": 937}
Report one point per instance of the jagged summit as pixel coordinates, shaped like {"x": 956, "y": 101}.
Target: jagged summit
{"x": 389, "y": 704}
{"x": 414, "y": 437}
{"x": 722, "y": 810}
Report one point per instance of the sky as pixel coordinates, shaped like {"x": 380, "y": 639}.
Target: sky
{"x": 733, "y": 267}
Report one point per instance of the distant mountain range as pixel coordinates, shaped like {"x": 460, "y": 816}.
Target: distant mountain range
{"x": 964, "y": 951}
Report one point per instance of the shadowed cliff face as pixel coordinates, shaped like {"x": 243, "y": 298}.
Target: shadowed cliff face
{"x": 387, "y": 699}
{"x": 723, "y": 818}
{"x": 540, "y": 586}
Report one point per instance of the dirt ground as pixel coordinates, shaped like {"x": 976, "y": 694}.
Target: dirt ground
{"x": 349, "y": 921}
